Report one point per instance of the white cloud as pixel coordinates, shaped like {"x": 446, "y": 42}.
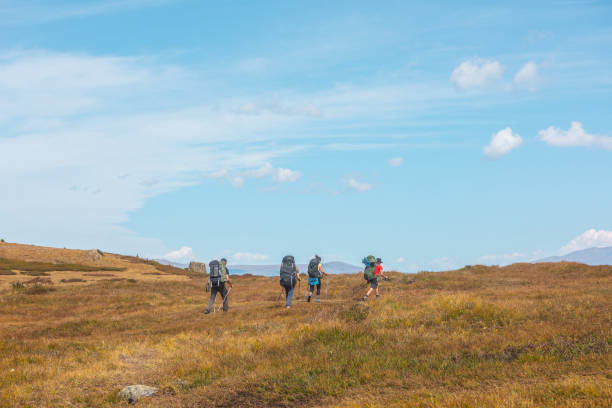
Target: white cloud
{"x": 185, "y": 253}
{"x": 502, "y": 143}
{"x": 396, "y": 161}
{"x": 248, "y": 257}
{"x": 528, "y": 75}
{"x": 358, "y": 186}
{"x": 476, "y": 74}
{"x": 574, "y": 136}
{"x": 282, "y": 175}
{"x": 588, "y": 239}
{"x": 400, "y": 260}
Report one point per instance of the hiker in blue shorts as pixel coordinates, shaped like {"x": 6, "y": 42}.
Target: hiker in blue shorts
{"x": 315, "y": 273}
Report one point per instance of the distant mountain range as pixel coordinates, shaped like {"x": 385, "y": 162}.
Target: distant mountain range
{"x": 334, "y": 267}
{"x": 590, "y": 256}
{"x": 175, "y": 264}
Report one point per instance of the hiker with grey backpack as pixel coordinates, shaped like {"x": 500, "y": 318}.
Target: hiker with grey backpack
{"x": 289, "y": 276}
{"x": 218, "y": 280}
{"x": 315, "y": 273}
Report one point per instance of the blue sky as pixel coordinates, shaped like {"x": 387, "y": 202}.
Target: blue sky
{"x": 431, "y": 135}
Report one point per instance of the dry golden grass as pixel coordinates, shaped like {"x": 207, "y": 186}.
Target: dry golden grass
{"x": 519, "y": 336}
{"x": 67, "y": 266}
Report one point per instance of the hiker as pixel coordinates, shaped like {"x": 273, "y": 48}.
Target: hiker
{"x": 289, "y": 276}
{"x": 217, "y": 279}
{"x": 315, "y": 272}
{"x": 371, "y": 273}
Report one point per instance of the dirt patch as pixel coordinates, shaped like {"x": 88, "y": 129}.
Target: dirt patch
{"x": 100, "y": 275}
{"x": 39, "y": 281}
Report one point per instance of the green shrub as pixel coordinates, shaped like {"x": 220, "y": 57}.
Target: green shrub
{"x": 37, "y": 289}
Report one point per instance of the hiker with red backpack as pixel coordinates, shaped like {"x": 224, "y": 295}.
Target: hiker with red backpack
{"x": 218, "y": 279}
{"x": 371, "y": 273}
{"x": 315, "y": 273}
{"x": 289, "y": 276}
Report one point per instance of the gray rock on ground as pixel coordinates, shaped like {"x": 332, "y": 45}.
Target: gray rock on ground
{"x": 198, "y": 267}
{"x": 134, "y": 392}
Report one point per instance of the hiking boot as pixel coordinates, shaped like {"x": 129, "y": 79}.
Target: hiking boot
{"x": 308, "y": 299}
{"x": 318, "y": 300}
{"x": 365, "y": 299}
{"x": 206, "y": 311}
{"x": 288, "y": 307}
{"x": 377, "y": 296}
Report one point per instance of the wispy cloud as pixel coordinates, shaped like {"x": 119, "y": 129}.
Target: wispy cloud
{"x": 28, "y": 11}
{"x": 504, "y": 259}
{"x": 356, "y": 185}
{"x": 527, "y": 76}
{"x": 396, "y": 161}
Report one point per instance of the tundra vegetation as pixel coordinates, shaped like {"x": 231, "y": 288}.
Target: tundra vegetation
{"x": 517, "y": 336}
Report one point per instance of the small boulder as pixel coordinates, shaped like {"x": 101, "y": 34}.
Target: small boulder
{"x": 94, "y": 255}
{"x": 134, "y": 392}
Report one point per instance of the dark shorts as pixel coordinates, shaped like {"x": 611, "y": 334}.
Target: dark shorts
{"x": 374, "y": 283}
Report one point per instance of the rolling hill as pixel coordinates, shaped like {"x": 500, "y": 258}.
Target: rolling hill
{"x": 523, "y": 335}
{"x": 590, "y": 256}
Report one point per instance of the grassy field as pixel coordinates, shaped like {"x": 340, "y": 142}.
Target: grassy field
{"x": 519, "y": 336}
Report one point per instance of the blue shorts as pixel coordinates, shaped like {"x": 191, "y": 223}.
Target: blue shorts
{"x": 313, "y": 281}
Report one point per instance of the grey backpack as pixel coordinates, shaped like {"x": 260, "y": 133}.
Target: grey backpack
{"x": 215, "y": 273}
{"x": 288, "y": 271}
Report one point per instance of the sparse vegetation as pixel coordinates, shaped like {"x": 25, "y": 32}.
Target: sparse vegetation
{"x": 160, "y": 267}
{"x": 38, "y": 289}
{"x": 8, "y": 273}
{"x": 17, "y": 285}
{"x": 31, "y": 267}
{"x": 522, "y": 335}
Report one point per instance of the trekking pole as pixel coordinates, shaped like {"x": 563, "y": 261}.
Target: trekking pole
{"x": 361, "y": 286}
{"x": 279, "y": 295}
{"x": 326, "y": 286}
{"x": 223, "y": 299}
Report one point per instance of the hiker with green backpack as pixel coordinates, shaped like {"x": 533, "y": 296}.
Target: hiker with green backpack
{"x": 217, "y": 279}
{"x": 289, "y": 276}
{"x": 373, "y": 269}
{"x": 315, "y": 273}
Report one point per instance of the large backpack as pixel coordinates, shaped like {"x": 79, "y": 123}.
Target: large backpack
{"x": 214, "y": 268}
{"x": 370, "y": 266}
{"x": 313, "y": 268}
{"x": 288, "y": 271}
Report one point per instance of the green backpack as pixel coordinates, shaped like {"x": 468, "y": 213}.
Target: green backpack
{"x": 370, "y": 266}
